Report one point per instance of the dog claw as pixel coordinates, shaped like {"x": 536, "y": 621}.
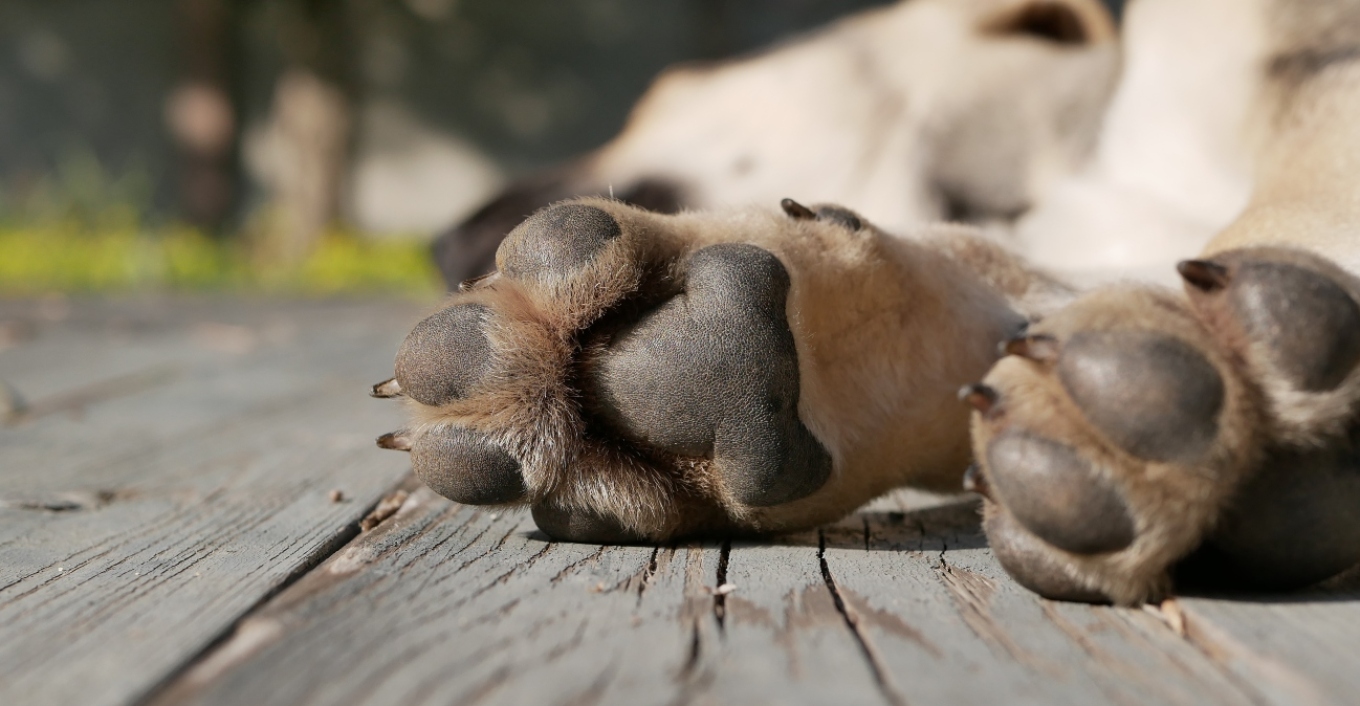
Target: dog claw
{"x": 386, "y": 389}
{"x": 477, "y": 282}
{"x": 1040, "y": 348}
{"x": 797, "y": 211}
{"x": 395, "y": 441}
{"x": 979, "y": 397}
{"x": 1205, "y": 275}
{"x": 975, "y": 482}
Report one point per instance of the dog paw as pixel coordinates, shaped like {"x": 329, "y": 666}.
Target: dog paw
{"x": 633, "y": 376}
{"x": 1136, "y": 428}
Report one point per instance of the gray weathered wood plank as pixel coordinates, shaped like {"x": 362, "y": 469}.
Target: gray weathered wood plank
{"x": 949, "y": 627}
{"x": 138, "y": 533}
{"x": 449, "y": 604}
{"x": 470, "y": 605}
{"x": 458, "y": 605}
{"x": 140, "y": 526}
{"x": 1292, "y": 649}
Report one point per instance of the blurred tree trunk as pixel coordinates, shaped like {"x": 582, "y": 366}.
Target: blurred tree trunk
{"x": 201, "y": 114}
{"x": 713, "y": 24}
{"x": 310, "y": 123}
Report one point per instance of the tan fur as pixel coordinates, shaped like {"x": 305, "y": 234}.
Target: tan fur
{"x": 888, "y": 327}
{"x": 1174, "y": 505}
{"x": 1296, "y": 137}
{"x": 886, "y": 420}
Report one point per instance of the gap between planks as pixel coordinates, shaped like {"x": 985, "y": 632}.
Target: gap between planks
{"x": 338, "y": 543}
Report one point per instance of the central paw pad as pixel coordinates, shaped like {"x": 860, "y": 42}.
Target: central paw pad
{"x": 713, "y": 373}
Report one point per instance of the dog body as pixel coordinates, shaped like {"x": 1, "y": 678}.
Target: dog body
{"x": 638, "y": 376}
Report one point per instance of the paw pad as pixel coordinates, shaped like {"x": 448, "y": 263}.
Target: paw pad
{"x": 714, "y": 373}
{"x": 1031, "y": 564}
{"x": 1153, "y": 395}
{"x": 581, "y": 525}
{"x": 1295, "y": 522}
{"x": 1292, "y": 304}
{"x": 445, "y": 356}
{"x": 1057, "y": 495}
{"x": 464, "y": 467}
{"x": 559, "y": 239}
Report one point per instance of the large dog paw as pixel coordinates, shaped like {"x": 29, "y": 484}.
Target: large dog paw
{"x": 1138, "y": 434}
{"x": 633, "y": 376}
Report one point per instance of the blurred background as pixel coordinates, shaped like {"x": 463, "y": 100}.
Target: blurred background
{"x": 310, "y": 145}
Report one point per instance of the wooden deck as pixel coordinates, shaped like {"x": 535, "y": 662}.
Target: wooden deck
{"x": 169, "y": 533}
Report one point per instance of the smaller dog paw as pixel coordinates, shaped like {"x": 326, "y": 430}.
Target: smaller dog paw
{"x": 1135, "y": 428}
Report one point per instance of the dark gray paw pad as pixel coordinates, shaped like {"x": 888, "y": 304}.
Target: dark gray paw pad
{"x": 557, "y": 239}
{"x": 445, "y": 356}
{"x": 1024, "y": 558}
{"x": 581, "y": 526}
{"x": 462, "y": 466}
{"x": 1309, "y": 324}
{"x": 1056, "y": 495}
{"x": 1295, "y": 523}
{"x": 713, "y": 373}
{"x": 1154, "y": 396}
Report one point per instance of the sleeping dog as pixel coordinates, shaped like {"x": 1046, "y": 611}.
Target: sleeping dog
{"x": 706, "y": 354}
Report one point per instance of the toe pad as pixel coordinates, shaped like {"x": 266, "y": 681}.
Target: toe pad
{"x": 557, "y": 239}
{"x": 1154, "y": 396}
{"x": 462, "y": 466}
{"x": 1311, "y": 325}
{"x": 581, "y": 526}
{"x": 1056, "y": 495}
{"x": 445, "y": 356}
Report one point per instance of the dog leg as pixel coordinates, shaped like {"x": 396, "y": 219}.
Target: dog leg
{"x": 636, "y": 376}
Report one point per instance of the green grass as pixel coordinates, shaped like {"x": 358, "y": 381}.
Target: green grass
{"x": 78, "y": 256}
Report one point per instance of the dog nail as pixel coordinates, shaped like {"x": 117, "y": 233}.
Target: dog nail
{"x": 386, "y": 389}
{"x": 1204, "y": 275}
{"x": 974, "y": 481}
{"x": 797, "y": 211}
{"x": 1040, "y": 348}
{"x": 468, "y": 285}
{"x": 395, "y": 441}
{"x": 979, "y": 397}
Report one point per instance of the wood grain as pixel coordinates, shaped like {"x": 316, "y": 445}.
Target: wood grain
{"x": 457, "y": 605}
{"x": 139, "y": 531}
{"x": 175, "y": 541}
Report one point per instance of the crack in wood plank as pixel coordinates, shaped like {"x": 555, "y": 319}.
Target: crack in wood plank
{"x": 571, "y": 568}
{"x": 720, "y": 580}
{"x": 886, "y": 687}
{"x": 693, "y": 677}
{"x": 252, "y": 632}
